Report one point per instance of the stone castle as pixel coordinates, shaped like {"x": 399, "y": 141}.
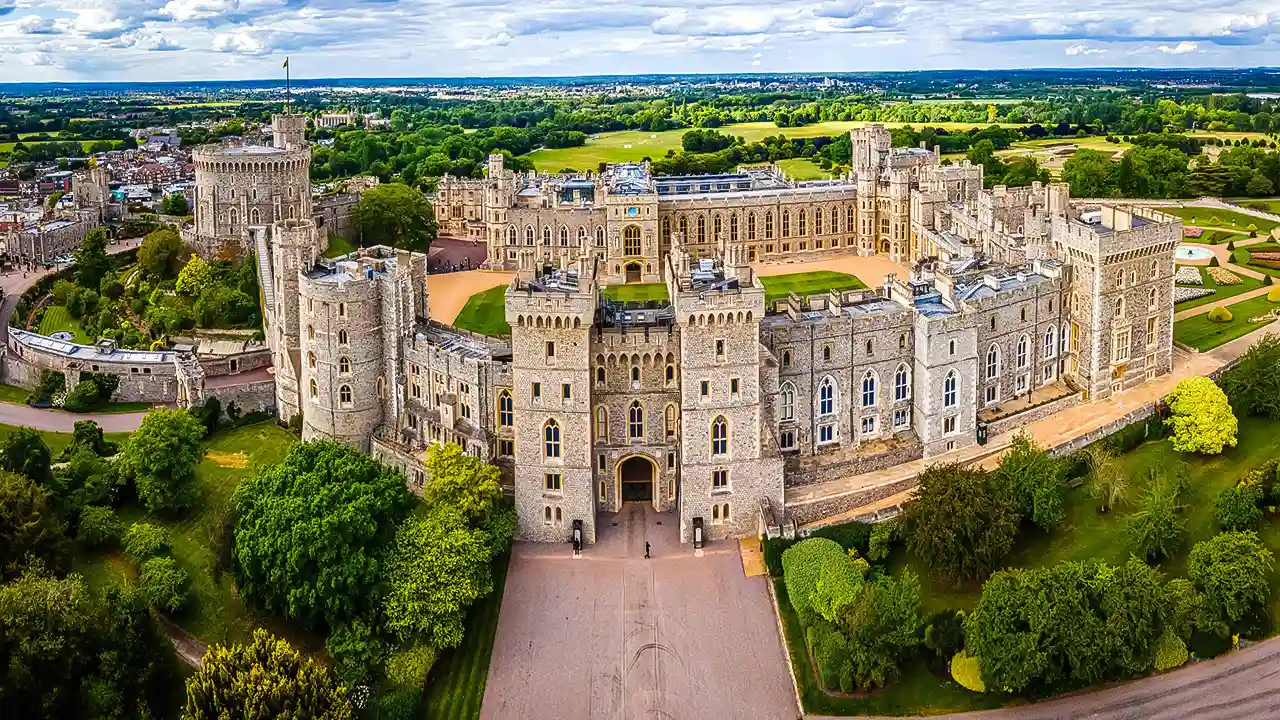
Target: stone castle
{"x": 713, "y": 403}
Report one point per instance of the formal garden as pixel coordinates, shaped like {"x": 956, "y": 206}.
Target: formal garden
{"x": 1149, "y": 549}
{"x": 1221, "y": 325}
{"x": 307, "y": 565}
{"x": 1216, "y": 217}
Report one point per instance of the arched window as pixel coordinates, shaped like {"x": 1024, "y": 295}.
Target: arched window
{"x": 631, "y": 240}
{"x": 671, "y": 415}
{"x": 671, "y": 374}
{"x": 1151, "y": 298}
{"x": 869, "y": 389}
{"x": 733, "y": 227}
{"x": 1064, "y": 339}
{"x": 666, "y": 229}
{"x": 546, "y": 513}
{"x": 724, "y": 512}
{"x": 817, "y": 221}
{"x": 684, "y": 228}
{"x": 768, "y": 225}
{"x": 787, "y": 403}
{"x": 719, "y": 436}
{"x": 635, "y": 421}
{"x": 1155, "y": 270}
{"x": 949, "y": 389}
{"x": 314, "y": 389}
{"x": 344, "y": 365}
{"x": 635, "y": 375}
{"x": 835, "y": 220}
{"x": 564, "y": 236}
{"x": 380, "y": 388}
{"x": 255, "y": 217}
{"x": 848, "y": 218}
{"x": 715, "y": 513}
{"x": 1050, "y": 341}
{"x": 827, "y": 396}
{"x": 993, "y": 362}
{"x": 343, "y": 338}
{"x": 602, "y": 424}
{"x": 702, "y": 228}
{"x": 582, "y": 236}
{"x": 528, "y": 234}
{"x": 512, "y": 234}
{"x": 311, "y": 360}
{"x": 551, "y": 439}
{"x": 902, "y": 383}
{"x": 1023, "y": 345}
{"x": 1120, "y": 307}
{"x": 600, "y": 236}
{"x": 546, "y": 234}
{"x": 801, "y": 222}
{"x": 344, "y": 395}
{"x": 715, "y": 227}
{"x": 599, "y": 376}
{"x": 751, "y": 226}
{"x": 233, "y": 217}
{"x": 506, "y": 409}
{"x": 786, "y": 223}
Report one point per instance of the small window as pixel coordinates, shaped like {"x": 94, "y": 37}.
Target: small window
{"x": 344, "y": 365}
{"x": 343, "y": 338}
{"x": 546, "y": 514}
{"x": 871, "y": 347}
{"x": 671, "y": 460}
{"x": 949, "y": 424}
{"x": 671, "y": 374}
{"x": 599, "y": 376}
{"x": 344, "y": 395}
{"x": 342, "y": 309}
{"x": 951, "y": 347}
{"x": 566, "y": 391}
{"x": 720, "y": 480}
{"x": 704, "y": 388}
{"x": 551, "y": 348}
{"x": 536, "y": 390}
{"x": 787, "y": 439}
{"x": 720, "y": 349}
{"x": 826, "y": 353}
{"x": 786, "y": 358}
{"x": 601, "y": 463}
{"x": 552, "y": 482}
{"x": 733, "y": 386}
{"x": 506, "y": 448}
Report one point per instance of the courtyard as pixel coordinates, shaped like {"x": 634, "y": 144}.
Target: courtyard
{"x": 613, "y": 635}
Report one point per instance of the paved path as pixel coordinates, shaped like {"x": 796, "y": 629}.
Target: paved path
{"x": 1241, "y": 684}
{"x": 1226, "y": 260}
{"x": 612, "y": 636}
{"x": 50, "y": 420}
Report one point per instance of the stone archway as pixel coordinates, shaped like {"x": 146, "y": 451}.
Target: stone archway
{"x": 636, "y": 478}
{"x": 633, "y": 272}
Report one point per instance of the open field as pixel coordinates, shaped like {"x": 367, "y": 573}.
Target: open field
{"x": 1228, "y": 135}
{"x": 802, "y": 169}
{"x": 1223, "y": 291}
{"x": 777, "y": 287}
{"x": 634, "y": 145}
{"x": 1271, "y": 205}
{"x": 1213, "y": 217}
{"x": 636, "y": 292}
{"x": 486, "y": 313}
{"x": 7, "y": 147}
{"x": 1203, "y": 334}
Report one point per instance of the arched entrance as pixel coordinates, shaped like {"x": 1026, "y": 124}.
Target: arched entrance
{"x": 884, "y": 246}
{"x": 636, "y": 476}
{"x": 633, "y": 272}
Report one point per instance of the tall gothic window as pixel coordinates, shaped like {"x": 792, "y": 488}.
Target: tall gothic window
{"x": 1050, "y": 341}
{"x": 817, "y": 221}
{"x": 993, "y": 362}
{"x": 602, "y": 424}
{"x": 631, "y": 240}
{"x": 786, "y": 223}
{"x": 635, "y": 421}
{"x": 715, "y": 228}
{"x": 869, "y": 389}
{"x": 702, "y": 228}
{"x": 800, "y": 222}
{"x": 666, "y": 229}
{"x": 528, "y": 234}
{"x": 1023, "y": 343}
{"x": 949, "y": 389}
{"x": 901, "y": 383}
{"x": 551, "y": 439}
{"x": 564, "y": 236}
{"x": 684, "y": 227}
{"x": 506, "y": 410}
{"x": 751, "y": 226}
{"x": 835, "y": 220}
{"x": 720, "y": 436}
{"x": 733, "y": 227}
{"x": 600, "y": 236}
{"x": 787, "y": 404}
{"x": 827, "y": 396}
{"x": 768, "y": 225}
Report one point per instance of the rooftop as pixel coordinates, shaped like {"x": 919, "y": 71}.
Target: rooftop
{"x": 90, "y": 352}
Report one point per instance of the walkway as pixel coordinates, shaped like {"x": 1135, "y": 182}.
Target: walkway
{"x": 49, "y": 420}
{"x": 1240, "y": 684}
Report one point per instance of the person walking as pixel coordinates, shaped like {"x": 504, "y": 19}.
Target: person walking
{"x": 646, "y": 549}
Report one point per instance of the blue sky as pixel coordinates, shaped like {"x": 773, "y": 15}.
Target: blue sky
{"x": 46, "y": 40}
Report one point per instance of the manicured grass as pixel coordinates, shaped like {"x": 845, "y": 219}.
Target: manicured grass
{"x": 1271, "y": 205}
{"x": 57, "y": 319}
{"x": 1213, "y": 217}
{"x": 776, "y": 287}
{"x": 1218, "y": 237}
{"x": 635, "y": 292}
{"x": 486, "y": 313}
{"x": 14, "y": 395}
{"x": 1240, "y": 256}
{"x": 455, "y": 689}
{"x": 339, "y": 245}
{"x": 18, "y": 396}
{"x": 1224, "y": 291}
{"x": 803, "y": 169}
{"x": 214, "y": 613}
{"x": 634, "y": 145}
{"x": 1203, "y": 334}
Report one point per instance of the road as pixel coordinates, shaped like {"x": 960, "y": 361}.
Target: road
{"x": 61, "y": 421}
{"x": 1241, "y": 684}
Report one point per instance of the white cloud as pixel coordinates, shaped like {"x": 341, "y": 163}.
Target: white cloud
{"x": 183, "y": 10}
{"x": 501, "y": 39}
{"x": 240, "y": 42}
{"x": 1075, "y": 50}
{"x": 1181, "y": 48}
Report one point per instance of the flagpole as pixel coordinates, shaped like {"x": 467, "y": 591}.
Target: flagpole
{"x": 288, "y": 92}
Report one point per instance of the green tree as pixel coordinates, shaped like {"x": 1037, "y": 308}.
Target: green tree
{"x": 1201, "y": 417}
{"x": 98, "y": 526}
{"x": 883, "y": 628}
{"x": 175, "y": 204}
{"x": 29, "y": 526}
{"x": 1036, "y": 480}
{"x": 160, "y": 458}
{"x": 92, "y": 263}
{"x": 1108, "y": 482}
{"x": 195, "y": 278}
{"x": 163, "y": 584}
{"x": 461, "y": 481}
{"x": 143, "y": 541}
{"x": 312, "y": 530}
{"x": 161, "y": 253}
{"x": 802, "y": 567}
{"x": 26, "y": 453}
{"x": 1253, "y": 383}
{"x": 1157, "y": 529}
{"x": 46, "y": 641}
{"x": 1232, "y": 570}
{"x": 395, "y": 215}
{"x": 439, "y": 566}
{"x": 264, "y": 678}
{"x": 1239, "y": 507}
{"x": 1090, "y": 173}
{"x": 961, "y": 523}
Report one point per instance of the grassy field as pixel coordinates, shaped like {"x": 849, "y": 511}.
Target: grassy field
{"x": 1241, "y": 256}
{"x": 214, "y": 613}
{"x": 1271, "y": 205}
{"x": 485, "y": 313}
{"x": 634, "y": 145}
{"x": 1228, "y": 135}
{"x": 57, "y": 319}
{"x": 802, "y": 169}
{"x": 456, "y": 686}
{"x": 635, "y": 292}
{"x": 1218, "y": 217}
{"x": 1084, "y": 534}
{"x": 7, "y": 147}
{"x": 1224, "y": 291}
{"x": 776, "y": 287}
{"x": 339, "y": 245}
{"x": 1202, "y": 333}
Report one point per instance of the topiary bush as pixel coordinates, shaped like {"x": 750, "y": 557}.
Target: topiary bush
{"x": 1273, "y": 294}
{"x": 409, "y": 668}
{"x": 144, "y": 540}
{"x": 1239, "y": 507}
{"x": 163, "y": 584}
{"x": 98, "y": 526}
{"x": 1171, "y": 652}
{"x": 966, "y": 670}
{"x": 802, "y": 566}
{"x": 1220, "y": 315}
{"x": 1213, "y": 261}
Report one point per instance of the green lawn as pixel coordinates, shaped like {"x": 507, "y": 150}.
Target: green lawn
{"x": 7, "y": 147}
{"x": 1084, "y": 534}
{"x": 634, "y": 145}
{"x": 57, "y": 441}
{"x": 57, "y": 319}
{"x": 803, "y": 169}
{"x": 1203, "y": 334}
{"x": 776, "y": 287}
{"x": 456, "y": 686}
{"x": 486, "y": 313}
{"x": 1271, "y": 205}
{"x": 1218, "y": 237}
{"x": 13, "y": 394}
{"x": 635, "y": 292}
{"x": 339, "y": 245}
{"x": 1224, "y": 291}
{"x": 1218, "y": 217}
{"x": 18, "y": 396}
{"x": 1242, "y": 256}
{"x": 215, "y": 612}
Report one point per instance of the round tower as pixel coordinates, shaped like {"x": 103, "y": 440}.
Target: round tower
{"x": 288, "y": 131}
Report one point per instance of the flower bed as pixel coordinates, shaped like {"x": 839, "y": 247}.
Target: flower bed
{"x": 1188, "y": 275}
{"x": 1223, "y": 276}
{"x": 1265, "y": 255}
{"x": 1192, "y": 232}
{"x": 1183, "y": 294}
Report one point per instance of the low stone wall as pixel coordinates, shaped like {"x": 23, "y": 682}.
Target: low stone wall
{"x": 1030, "y": 415}
{"x": 215, "y": 366}
{"x": 139, "y": 387}
{"x": 248, "y": 398}
{"x": 842, "y": 467}
{"x": 844, "y": 502}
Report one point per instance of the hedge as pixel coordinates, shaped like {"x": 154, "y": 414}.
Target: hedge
{"x": 1220, "y": 315}
{"x": 802, "y": 566}
{"x": 831, "y": 655}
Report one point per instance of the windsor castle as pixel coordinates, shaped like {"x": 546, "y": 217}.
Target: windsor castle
{"x": 714, "y": 402}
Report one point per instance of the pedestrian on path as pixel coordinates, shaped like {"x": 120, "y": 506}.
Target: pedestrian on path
{"x": 646, "y": 549}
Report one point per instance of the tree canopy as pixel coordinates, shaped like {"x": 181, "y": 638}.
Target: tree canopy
{"x": 1036, "y": 481}
{"x": 1201, "y": 417}
{"x": 396, "y": 215}
{"x": 962, "y": 521}
{"x": 92, "y": 263}
{"x": 1253, "y": 383}
{"x": 26, "y": 453}
{"x": 161, "y": 253}
{"x": 160, "y": 458}
{"x": 1232, "y": 570}
{"x": 29, "y": 526}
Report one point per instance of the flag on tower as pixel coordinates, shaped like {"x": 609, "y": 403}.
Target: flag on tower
{"x": 286, "y": 62}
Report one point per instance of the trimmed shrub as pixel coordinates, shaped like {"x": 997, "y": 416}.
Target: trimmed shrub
{"x": 1213, "y": 261}
{"x": 1171, "y": 652}
{"x": 1238, "y": 507}
{"x": 851, "y": 535}
{"x": 883, "y": 535}
{"x": 408, "y": 668}
{"x": 98, "y": 526}
{"x": 144, "y": 540}
{"x": 1220, "y": 315}
{"x": 944, "y": 634}
{"x": 967, "y": 671}
{"x": 83, "y": 397}
{"x": 773, "y": 549}
{"x": 802, "y": 566}
{"x": 1273, "y": 295}
{"x": 1128, "y": 438}
{"x": 1231, "y": 245}
{"x": 402, "y": 704}
{"x": 163, "y": 584}
{"x": 831, "y": 655}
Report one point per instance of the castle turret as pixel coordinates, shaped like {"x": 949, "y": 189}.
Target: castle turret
{"x": 294, "y": 248}
{"x": 288, "y": 131}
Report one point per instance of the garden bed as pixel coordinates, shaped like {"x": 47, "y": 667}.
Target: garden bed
{"x": 1203, "y": 334}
